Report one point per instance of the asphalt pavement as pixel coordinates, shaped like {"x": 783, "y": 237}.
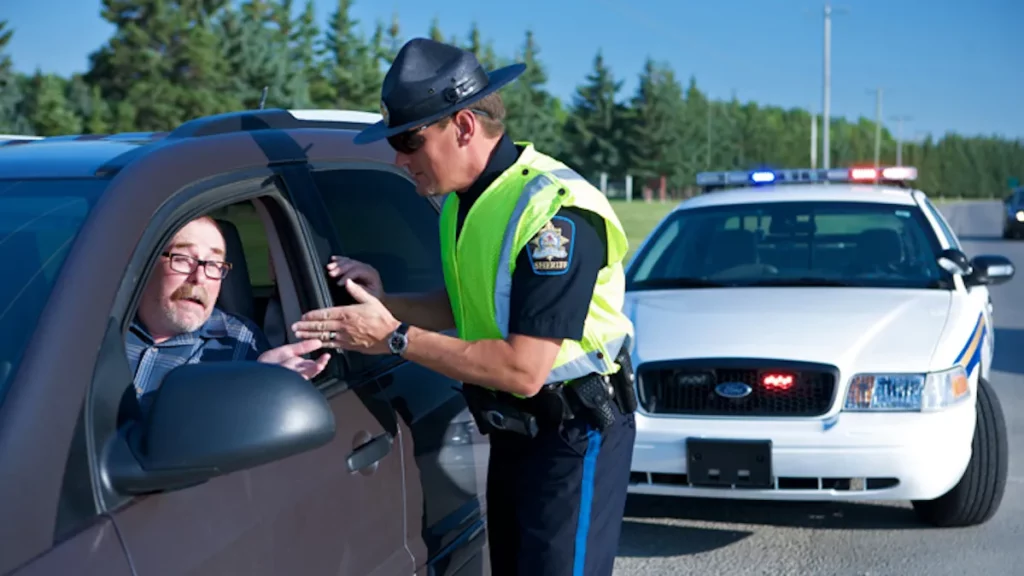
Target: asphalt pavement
{"x": 675, "y": 536}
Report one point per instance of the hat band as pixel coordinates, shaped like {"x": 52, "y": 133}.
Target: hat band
{"x": 441, "y": 98}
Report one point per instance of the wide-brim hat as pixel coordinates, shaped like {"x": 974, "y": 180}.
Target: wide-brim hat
{"x": 428, "y": 81}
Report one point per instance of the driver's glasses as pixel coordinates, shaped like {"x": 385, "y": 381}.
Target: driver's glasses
{"x": 186, "y": 264}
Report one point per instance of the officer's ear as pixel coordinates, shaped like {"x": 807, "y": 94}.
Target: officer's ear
{"x": 465, "y": 126}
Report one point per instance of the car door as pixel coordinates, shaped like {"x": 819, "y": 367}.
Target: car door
{"x": 311, "y": 513}
{"x": 379, "y": 219}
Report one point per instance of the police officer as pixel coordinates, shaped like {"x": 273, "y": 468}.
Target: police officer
{"x": 532, "y": 256}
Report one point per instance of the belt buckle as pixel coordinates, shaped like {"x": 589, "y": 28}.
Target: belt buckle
{"x": 495, "y": 418}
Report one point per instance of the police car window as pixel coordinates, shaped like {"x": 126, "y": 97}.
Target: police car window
{"x": 950, "y": 237}
{"x": 381, "y": 220}
{"x": 779, "y": 244}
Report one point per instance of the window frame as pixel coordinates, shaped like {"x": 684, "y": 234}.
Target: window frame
{"x": 364, "y": 365}
{"x": 102, "y": 399}
{"x": 923, "y": 218}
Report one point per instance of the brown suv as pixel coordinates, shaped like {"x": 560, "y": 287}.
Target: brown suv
{"x": 373, "y": 467}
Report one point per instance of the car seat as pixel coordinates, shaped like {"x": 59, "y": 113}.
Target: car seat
{"x": 878, "y": 249}
{"x": 236, "y": 295}
{"x": 731, "y": 248}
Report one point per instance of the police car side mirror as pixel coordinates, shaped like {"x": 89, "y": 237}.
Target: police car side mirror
{"x": 955, "y": 262}
{"x": 990, "y": 270}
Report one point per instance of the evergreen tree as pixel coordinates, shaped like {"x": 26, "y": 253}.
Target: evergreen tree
{"x": 529, "y": 105}
{"x": 594, "y": 134}
{"x": 51, "y": 113}
{"x": 12, "y": 121}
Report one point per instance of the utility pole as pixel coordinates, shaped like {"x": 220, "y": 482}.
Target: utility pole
{"x": 826, "y": 108}
{"x": 814, "y": 141}
{"x": 707, "y": 161}
{"x": 899, "y": 137}
{"x": 878, "y": 126}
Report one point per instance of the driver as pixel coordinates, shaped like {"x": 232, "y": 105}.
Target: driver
{"x": 177, "y": 322}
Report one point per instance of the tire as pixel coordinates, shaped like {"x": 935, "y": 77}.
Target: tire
{"x": 976, "y": 497}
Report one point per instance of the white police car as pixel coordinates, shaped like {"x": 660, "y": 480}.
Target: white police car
{"x": 816, "y": 335}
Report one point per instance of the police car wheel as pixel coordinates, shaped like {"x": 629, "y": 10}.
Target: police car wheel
{"x": 976, "y": 498}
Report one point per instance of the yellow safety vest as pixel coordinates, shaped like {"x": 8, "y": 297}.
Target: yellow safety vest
{"x": 478, "y": 267}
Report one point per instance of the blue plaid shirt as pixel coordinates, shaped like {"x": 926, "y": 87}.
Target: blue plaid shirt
{"x": 222, "y": 338}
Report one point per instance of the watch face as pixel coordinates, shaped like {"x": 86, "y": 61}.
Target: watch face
{"x": 396, "y": 343}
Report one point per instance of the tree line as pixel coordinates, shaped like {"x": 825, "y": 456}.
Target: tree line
{"x": 169, "y": 61}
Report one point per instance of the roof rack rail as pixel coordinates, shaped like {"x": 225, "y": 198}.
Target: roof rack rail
{"x": 274, "y": 119}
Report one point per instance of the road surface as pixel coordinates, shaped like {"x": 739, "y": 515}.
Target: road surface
{"x": 734, "y": 538}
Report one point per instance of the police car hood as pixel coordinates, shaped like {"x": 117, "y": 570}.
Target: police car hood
{"x": 851, "y": 328}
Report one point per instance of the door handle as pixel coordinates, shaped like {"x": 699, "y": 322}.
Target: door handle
{"x": 370, "y": 453}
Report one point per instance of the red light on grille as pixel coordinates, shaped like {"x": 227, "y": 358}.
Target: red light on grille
{"x": 777, "y": 381}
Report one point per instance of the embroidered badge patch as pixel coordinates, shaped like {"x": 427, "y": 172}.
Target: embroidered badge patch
{"x": 551, "y": 249}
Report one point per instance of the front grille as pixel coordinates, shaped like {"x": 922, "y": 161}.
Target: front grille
{"x": 689, "y": 388}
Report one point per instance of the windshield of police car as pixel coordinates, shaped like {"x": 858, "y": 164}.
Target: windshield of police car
{"x": 39, "y": 220}
{"x": 792, "y": 244}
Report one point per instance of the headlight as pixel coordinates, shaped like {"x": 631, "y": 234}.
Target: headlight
{"x": 907, "y": 392}
{"x": 1020, "y": 216}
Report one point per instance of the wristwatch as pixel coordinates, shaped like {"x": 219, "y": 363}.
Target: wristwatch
{"x": 398, "y": 341}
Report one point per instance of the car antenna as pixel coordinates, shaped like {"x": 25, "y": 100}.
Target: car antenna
{"x": 263, "y": 97}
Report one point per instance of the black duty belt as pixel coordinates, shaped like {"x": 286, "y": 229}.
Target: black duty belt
{"x": 590, "y": 397}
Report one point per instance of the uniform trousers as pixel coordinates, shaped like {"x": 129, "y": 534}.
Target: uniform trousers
{"x": 555, "y": 502}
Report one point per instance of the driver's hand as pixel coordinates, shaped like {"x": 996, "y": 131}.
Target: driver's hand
{"x": 342, "y": 269}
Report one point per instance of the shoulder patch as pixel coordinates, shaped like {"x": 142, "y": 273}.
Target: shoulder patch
{"x": 551, "y": 248}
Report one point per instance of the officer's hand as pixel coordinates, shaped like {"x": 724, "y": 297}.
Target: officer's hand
{"x": 363, "y": 327}
{"x": 342, "y": 269}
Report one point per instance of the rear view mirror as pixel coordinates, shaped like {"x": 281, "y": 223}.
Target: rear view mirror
{"x": 990, "y": 270}
{"x": 210, "y": 419}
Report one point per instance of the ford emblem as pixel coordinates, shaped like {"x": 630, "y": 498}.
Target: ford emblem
{"x": 733, "y": 390}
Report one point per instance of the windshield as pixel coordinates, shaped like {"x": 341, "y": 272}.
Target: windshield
{"x": 792, "y": 244}
{"x": 39, "y": 220}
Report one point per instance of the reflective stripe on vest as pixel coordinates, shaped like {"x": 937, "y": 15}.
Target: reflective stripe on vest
{"x": 479, "y": 262}
{"x": 582, "y": 365}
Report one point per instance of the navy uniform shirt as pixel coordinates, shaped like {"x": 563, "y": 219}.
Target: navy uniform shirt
{"x": 550, "y": 297}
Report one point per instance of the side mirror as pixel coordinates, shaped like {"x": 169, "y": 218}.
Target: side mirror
{"x": 210, "y": 419}
{"x": 989, "y": 270}
{"x": 955, "y": 262}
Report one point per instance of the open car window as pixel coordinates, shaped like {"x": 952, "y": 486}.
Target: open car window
{"x": 792, "y": 244}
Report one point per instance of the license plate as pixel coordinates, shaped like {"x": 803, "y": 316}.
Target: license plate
{"x": 729, "y": 463}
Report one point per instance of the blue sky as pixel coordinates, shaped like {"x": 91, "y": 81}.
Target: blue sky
{"x": 950, "y": 65}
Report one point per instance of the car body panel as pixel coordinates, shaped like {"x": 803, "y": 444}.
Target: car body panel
{"x": 284, "y": 516}
{"x": 96, "y": 550}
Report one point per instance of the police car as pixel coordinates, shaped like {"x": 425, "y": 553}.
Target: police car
{"x": 816, "y": 335}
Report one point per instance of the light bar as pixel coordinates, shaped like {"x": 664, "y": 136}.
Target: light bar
{"x": 742, "y": 178}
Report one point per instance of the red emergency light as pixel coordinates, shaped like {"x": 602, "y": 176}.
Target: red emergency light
{"x": 777, "y": 380}
{"x": 862, "y": 174}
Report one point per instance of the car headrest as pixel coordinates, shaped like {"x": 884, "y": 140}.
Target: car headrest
{"x": 732, "y": 248}
{"x": 880, "y": 245}
{"x": 235, "y": 290}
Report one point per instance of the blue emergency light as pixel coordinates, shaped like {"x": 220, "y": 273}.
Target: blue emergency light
{"x": 743, "y": 178}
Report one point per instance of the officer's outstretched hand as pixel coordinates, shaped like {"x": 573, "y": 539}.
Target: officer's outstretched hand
{"x": 363, "y": 327}
{"x": 342, "y": 269}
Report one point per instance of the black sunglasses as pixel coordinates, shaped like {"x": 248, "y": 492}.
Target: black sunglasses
{"x": 410, "y": 141}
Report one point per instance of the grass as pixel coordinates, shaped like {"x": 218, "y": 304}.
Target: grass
{"x": 639, "y": 218}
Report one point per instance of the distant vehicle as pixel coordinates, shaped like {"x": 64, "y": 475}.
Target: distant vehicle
{"x": 1013, "y": 214}
{"x": 817, "y": 335}
{"x": 373, "y": 467}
